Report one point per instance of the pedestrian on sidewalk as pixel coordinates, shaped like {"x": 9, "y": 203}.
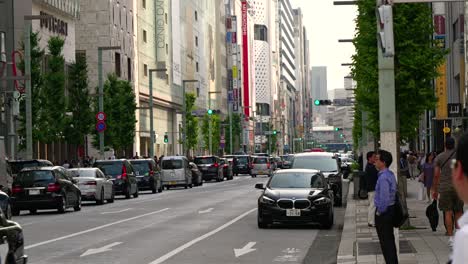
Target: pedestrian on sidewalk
{"x": 371, "y": 175}
{"x": 449, "y": 202}
{"x": 413, "y": 165}
{"x": 428, "y": 173}
{"x": 384, "y": 200}
{"x": 404, "y": 168}
{"x": 460, "y": 181}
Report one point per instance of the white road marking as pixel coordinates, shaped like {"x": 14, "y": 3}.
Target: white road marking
{"x": 245, "y": 250}
{"x": 209, "y": 210}
{"x": 93, "y": 229}
{"x": 116, "y": 212}
{"x": 198, "y": 239}
{"x": 100, "y": 250}
{"x": 291, "y": 255}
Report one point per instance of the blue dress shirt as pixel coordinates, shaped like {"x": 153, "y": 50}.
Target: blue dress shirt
{"x": 385, "y": 191}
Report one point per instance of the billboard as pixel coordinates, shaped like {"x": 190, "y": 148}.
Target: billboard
{"x": 245, "y": 59}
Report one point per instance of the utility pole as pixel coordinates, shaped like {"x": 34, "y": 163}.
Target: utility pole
{"x": 101, "y": 92}
{"x": 152, "y": 134}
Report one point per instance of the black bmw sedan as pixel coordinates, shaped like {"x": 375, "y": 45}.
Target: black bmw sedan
{"x": 296, "y": 196}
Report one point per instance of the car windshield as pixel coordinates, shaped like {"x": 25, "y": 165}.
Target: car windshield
{"x": 260, "y": 161}
{"x": 322, "y": 163}
{"x": 112, "y": 169}
{"x": 288, "y": 158}
{"x": 208, "y": 160}
{"x": 83, "y": 173}
{"x": 29, "y": 178}
{"x": 16, "y": 167}
{"x": 141, "y": 168}
{"x": 242, "y": 160}
{"x": 296, "y": 180}
{"x": 171, "y": 164}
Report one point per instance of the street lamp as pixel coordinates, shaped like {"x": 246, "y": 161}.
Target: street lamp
{"x": 101, "y": 92}
{"x": 184, "y": 117}
{"x": 209, "y": 121}
{"x": 27, "y": 73}
{"x": 152, "y": 136}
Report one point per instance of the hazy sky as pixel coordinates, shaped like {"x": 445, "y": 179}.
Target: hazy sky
{"x": 325, "y": 24}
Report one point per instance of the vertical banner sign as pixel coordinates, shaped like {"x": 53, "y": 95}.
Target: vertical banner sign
{"x": 160, "y": 36}
{"x": 441, "y": 82}
{"x": 245, "y": 59}
{"x": 176, "y": 43}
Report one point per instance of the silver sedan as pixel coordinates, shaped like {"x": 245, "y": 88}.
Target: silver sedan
{"x": 94, "y": 185}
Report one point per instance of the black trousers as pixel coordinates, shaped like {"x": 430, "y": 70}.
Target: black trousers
{"x": 384, "y": 226}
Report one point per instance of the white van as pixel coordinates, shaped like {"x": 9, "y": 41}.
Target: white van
{"x": 175, "y": 171}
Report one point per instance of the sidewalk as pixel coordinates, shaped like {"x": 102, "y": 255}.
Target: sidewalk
{"x": 360, "y": 244}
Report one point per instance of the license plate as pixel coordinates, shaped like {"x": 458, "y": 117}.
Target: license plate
{"x": 293, "y": 212}
{"x": 173, "y": 183}
{"x": 34, "y": 192}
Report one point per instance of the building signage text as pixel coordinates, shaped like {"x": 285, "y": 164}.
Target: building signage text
{"x": 54, "y": 24}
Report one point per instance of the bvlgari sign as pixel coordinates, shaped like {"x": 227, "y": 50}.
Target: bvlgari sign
{"x": 54, "y": 24}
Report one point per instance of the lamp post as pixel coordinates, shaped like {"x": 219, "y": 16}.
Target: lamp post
{"x": 101, "y": 92}
{"x": 152, "y": 135}
{"x": 184, "y": 118}
{"x": 27, "y": 72}
{"x": 209, "y": 121}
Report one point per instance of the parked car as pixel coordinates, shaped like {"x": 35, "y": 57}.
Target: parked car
{"x": 328, "y": 164}
{"x": 278, "y": 162}
{"x": 210, "y": 168}
{"x": 295, "y": 196}
{"x": 148, "y": 175}
{"x": 5, "y": 204}
{"x": 261, "y": 166}
{"x": 287, "y": 161}
{"x": 44, "y": 188}
{"x": 227, "y": 168}
{"x": 94, "y": 185}
{"x": 197, "y": 178}
{"x": 242, "y": 164}
{"x": 175, "y": 172}
{"x": 15, "y": 166}
{"x": 12, "y": 244}
{"x": 122, "y": 175}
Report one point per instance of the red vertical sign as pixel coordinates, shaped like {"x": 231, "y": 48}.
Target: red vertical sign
{"x": 245, "y": 59}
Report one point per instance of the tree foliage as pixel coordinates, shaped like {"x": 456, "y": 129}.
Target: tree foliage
{"x": 236, "y": 131}
{"x": 37, "y": 81}
{"x": 416, "y": 62}
{"x": 215, "y": 131}
{"x": 79, "y": 104}
{"x": 192, "y": 122}
{"x": 52, "y": 115}
{"x": 272, "y": 140}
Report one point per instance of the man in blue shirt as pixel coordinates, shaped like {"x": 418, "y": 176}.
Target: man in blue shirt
{"x": 384, "y": 200}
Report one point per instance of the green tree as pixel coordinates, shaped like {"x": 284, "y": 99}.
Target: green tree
{"x": 192, "y": 122}
{"x": 52, "y": 116}
{"x": 236, "y": 131}
{"x": 79, "y": 103}
{"x": 120, "y": 107}
{"x": 37, "y": 81}
{"x": 215, "y": 131}
{"x": 271, "y": 140}
{"x": 416, "y": 62}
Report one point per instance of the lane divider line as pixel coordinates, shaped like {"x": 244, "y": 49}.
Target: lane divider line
{"x": 92, "y": 229}
{"x": 198, "y": 239}
{"x": 116, "y": 212}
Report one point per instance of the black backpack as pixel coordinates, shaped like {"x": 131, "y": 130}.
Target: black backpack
{"x": 401, "y": 214}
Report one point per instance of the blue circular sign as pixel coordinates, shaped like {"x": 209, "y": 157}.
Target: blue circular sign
{"x": 101, "y": 126}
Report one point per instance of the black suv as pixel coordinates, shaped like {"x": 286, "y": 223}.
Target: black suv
{"x": 242, "y": 164}
{"x": 44, "y": 188}
{"x": 210, "y": 168}
{"x": 148, "y": 175}
{"x": 123, "y": 176}
{"x": 15, "y": 166}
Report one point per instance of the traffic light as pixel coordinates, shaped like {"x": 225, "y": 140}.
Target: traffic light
{"x": 213, "y": 111}
{"x": 210, "y": 111}
{"x": 338, "y": 128}
{"x": 341, "y": 135}
{"x": 322, "y": 102}
{"x": 274, "y": 132}
{"x": 385, "y": 34}
{"x": 166, "y": 139}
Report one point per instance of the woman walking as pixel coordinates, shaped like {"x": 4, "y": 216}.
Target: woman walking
{"x": 428, "y": 173}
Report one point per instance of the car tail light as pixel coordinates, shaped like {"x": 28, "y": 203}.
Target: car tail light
{"x": 268, "y": 165}
{"x": 53, "y": 187}
{"x": 16, "y": 189}
{"x": 124, "y": 173}
{"x": 226, "y": 166}
{"x": 216, "y": 165}
{"x": 91, "y": 183}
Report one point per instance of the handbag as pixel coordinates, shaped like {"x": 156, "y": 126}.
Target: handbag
{"x": 433, "y": 215}
{"x": 421, "y": 177}
{"x": 401, "y": 213}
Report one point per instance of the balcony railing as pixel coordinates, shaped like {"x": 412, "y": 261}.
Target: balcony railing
{"x": 70, "y": 7}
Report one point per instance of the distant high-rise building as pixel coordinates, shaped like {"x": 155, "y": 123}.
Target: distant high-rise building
{"x": 319, "y": 91}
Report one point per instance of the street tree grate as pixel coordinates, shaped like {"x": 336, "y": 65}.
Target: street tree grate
{"x": 373, "y": 248}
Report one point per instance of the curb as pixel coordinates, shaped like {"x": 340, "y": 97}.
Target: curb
{"x": 348, "y": 236}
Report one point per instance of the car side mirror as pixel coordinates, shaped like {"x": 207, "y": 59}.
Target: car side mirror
{"x": 259, "y": 186}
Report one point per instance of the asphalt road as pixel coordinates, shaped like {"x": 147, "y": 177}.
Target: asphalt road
{"x": 212, "y": 224}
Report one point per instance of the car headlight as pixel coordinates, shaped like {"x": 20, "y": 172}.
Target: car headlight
{"x": 321, "y": 201}
{"x": 267, "y": 200}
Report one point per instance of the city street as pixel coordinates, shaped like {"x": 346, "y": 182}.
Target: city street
{"x": 215, "y": 223}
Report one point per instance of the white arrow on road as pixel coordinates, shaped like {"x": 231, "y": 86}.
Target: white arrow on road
{"x": 100, "y": 250}
{"x": 206, "y": 211}
{"x": 245, "y": 250}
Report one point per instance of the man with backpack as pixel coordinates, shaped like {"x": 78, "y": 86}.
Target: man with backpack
{"x": 449, "y": 202}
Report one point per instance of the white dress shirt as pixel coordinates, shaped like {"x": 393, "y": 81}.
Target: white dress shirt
{"x": 460, "y": 245}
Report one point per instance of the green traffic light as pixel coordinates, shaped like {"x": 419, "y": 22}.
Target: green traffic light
{"x": 317, "y": 102}
{"x": 274, "y": 132}
{"x": 210, "y": 111}
{"x": 336, "y": 129}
